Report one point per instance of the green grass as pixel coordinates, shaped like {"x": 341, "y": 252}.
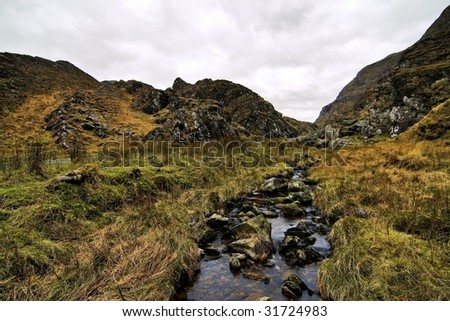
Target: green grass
{"x": 400, "y": 250}
{"x": 116, "y": 236}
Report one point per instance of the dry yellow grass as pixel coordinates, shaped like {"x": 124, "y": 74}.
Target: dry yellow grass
{"x": 400, "y": 250}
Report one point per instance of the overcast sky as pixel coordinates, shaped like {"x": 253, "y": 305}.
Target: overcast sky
{"x": 296, "y": 54}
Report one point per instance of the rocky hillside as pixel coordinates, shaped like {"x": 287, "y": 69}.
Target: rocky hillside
{"x": 389, "y": 96}
{"x": 56, "y": 101}
{"x": 211, "y": 109}
{"x": 22, "y": 76}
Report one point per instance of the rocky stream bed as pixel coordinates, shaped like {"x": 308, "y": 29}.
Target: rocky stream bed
{"x": 266, "y": 246}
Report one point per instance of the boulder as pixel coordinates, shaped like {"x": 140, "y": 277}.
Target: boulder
{"x": 269, "y": 214}
{"x": 235, "y": 264}
{"x": 217, "y": 220}
{"x": 293, "y": 287}
{"x": 304, "y": 197}
{"x": 289, "y": 243}
{"x": 302, "y": 257}
{"x": 208, "y": 236}
{"x": 211, "y": 253}
{"x": 252, "y": 238}
{"x": 249, "y": 207}
{"x": 274, "y": 184}
{"x": 297, "y": 186}
{"x": 299, "y": 232}
{"x": 292, "y": 210}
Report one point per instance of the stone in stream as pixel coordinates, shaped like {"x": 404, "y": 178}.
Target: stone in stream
{"x": 269, "y": 214}
{"x": 305, "y": 224}
{"x": 289, "y": 243}
{"x": 217, "y": 220}
{"x": 280, "y": 200}
{"x": 305, "y": 198}
{"x": 208, "y": 236}
{"x": 307, "y": 241}
{"x": 211, "y": 253}
{"x": 249, "y": 207}
{"x": 293, "y": 287}
{"x": 241, "y": 257}
{"x": 235, "y": 264}
{"x": 292, "y": 210}
{"x": 297, "y": 186}
{"x": 299, "y": 232}
{"x": 302, "y": 257}
{"x": 252, "y": 238}
{"x": 274, "y": 184}
{"x": 323, "y": 229}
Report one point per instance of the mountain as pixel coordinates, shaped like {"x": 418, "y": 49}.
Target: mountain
{"x": 211, "y": 109}
{"x": 22, "y": 76}
{"x": 391, "y": 95}
{"x": 56, "y": 101}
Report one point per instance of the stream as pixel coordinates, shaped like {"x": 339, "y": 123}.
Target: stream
{"x": 300, "y": 254}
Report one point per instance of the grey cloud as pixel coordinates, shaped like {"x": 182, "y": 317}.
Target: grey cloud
{"x": 296, "y": 54}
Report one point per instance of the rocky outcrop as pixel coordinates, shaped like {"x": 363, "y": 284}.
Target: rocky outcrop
{"x": 73, "y": 116}
{"x": 194, "y": 121}
{"x": 211, "y": 110}
{"x": 396, "y": 92}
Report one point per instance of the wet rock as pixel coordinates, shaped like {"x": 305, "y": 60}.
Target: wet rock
{"x": 274, "y": 184}
{"x": 297, "y": 186}
{"x": 323, "y": 229}
{"x": 208, "y": 236}
{"x": 250, "y": 214}
{"x": 241, "y": 257}
{"x": 305, "y": 198}
{"x": 264, "y": 298}
{"x": 212, "y": 253}
{"x": 280, "y": 200}
{"x": 252, "y": 238}
{"x": 269, "y": 214}
{"x": 300, "y": 232}
{"x": 243, "y": 216}
{"x": 302, "y": 257}
{"x": 305, "y": 224}
{"x": 312, "y": 255}
{"x": 292, "y": 210}
{"x": 235, "y": 264}
{"x": 289, "y": 243}
{"x": 249, "y": 207}
{"x": 310, "y": 240}
{"x": 217, "y": 220}
{"x": 293, "y": 287}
